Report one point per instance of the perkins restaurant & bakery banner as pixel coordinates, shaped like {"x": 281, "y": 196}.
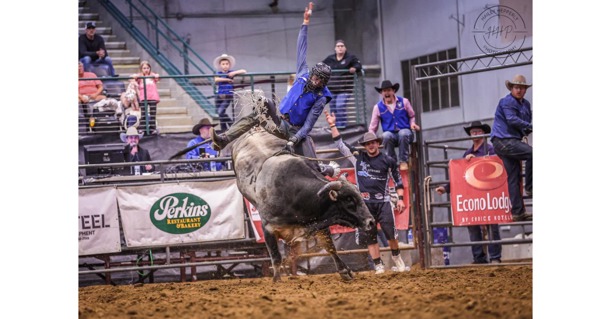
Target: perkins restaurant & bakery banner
{"x": 479, "y": 191}
{"x": 188, "y": 212}
{"x": 98, "y": 222}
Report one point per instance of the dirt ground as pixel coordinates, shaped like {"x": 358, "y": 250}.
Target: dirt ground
{"x": 472, "y": 292}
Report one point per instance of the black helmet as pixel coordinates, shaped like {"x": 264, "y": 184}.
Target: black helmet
{"x": 322, "y": 71}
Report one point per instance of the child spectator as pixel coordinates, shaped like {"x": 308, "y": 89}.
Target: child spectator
{"x": 224, "y": 95}
{"x": 152, "y": 94}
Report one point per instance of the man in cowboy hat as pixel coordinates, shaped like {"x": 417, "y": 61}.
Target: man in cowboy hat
{"x": 373, "y": 169}
{"x": 202, "y": 130}
{"x": 133, "y": 152}
{"x": 513, "y": 122}
{"x": 397, "y": 122}
{"x": 299, "y": 109}
{"x": 224, "y": 80}
{"x": 479, "y": 148}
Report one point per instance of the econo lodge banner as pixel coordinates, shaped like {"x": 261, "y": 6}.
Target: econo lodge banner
{"x": 189, "y": 212}
{"x": 479, "y": 191}
{"x": 98, "y": 222}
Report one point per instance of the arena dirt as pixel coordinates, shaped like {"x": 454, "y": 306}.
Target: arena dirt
{"x": 472, "y": 292}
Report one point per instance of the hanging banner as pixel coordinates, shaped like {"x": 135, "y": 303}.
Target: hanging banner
{"x": 189, "y": 212}
{"x": 98, "y": 222}
{"x": 479, "y": 191}
{"x": 255, "y": 221}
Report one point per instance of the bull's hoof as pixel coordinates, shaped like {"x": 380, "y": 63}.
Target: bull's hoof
{"x": 347, "y": 275}
{"x": 276, "y": 278}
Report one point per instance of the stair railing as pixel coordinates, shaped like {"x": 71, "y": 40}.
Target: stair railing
{"x": 162, "y": 30}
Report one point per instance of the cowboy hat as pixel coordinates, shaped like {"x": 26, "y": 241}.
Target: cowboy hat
{"x": 478, "y": 124}
{"x": 386, "y": 84}
{"x": 131, "y": 131}
{"x": 517, "y": 80}
{"x": 224, "y": 56}
{"x": 368, "y": 137}
{"x": 203, "y": 122}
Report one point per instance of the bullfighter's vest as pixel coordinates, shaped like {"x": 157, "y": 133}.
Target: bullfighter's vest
{"x": 393, "y": 122}
{"x": 297, "y": 104}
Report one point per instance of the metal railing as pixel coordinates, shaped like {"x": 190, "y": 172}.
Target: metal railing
{"x": 274, "y": 84}
{"x": 435, "y": 209}
{"x": 142, "y": 17}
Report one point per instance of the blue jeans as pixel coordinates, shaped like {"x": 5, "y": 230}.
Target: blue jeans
{"x": 512, "y": 151}
{"x": 223, "y": 101}
{"x": 338, "y": 105}
{"x": 403, "y": 138}
{"x": 495, "y": 250}
{"x": 87, "y": 62}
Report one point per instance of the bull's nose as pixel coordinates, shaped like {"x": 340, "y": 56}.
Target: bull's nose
{"x": 369, "y": 223}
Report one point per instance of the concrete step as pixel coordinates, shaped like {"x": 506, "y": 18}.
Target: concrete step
{"x": 174, "y": 120}
{"x": 174, "y": 128}
{"x": 108, "y": 38}
{"x": 126, "y": 60}
{"x": 165, "y": 108}
{"x": 84, "y": 19}
{"x": 86, "y": 16}
{"x": 126, "y": 69}
{"x": 115, "y": 45}
{"x": 118, "y": 53}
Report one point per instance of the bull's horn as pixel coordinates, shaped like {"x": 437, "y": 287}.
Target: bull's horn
{"x": 336, "y": 185}
{"x": 333, "y": 195}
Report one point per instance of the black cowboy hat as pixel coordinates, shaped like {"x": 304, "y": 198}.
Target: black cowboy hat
{"x": 386, "y": 84}
{"x": 477, "y": 124}
{"x": 202, "y": 122}
{"x": 368, "y": 137}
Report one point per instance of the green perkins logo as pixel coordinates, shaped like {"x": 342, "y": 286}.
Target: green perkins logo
{"x": 180, "y": 213}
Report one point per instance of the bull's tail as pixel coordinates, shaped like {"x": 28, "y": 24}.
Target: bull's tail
{"x": 188, "y": 149}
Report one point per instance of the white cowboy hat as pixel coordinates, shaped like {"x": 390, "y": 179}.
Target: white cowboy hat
{"x": 224, "y": 56}
{"x": 517, "y": 80}
{"x": 131, "y": 131}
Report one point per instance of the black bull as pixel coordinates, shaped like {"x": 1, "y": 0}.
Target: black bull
{"x": 295, "y": 201}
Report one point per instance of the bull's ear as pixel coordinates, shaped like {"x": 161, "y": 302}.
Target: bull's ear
{"x": 343, "y": 177}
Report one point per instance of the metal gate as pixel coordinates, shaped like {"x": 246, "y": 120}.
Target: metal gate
{"x": 425, "y": 160}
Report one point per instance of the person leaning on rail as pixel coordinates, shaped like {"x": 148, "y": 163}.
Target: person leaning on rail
{"x": 479, "y": 148}
{"x": 513, "y": 123}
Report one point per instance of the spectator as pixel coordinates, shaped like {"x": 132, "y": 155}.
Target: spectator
{"x": 133, "y": 152}
{"x": 151, "y": 94}
{"x": 130, "y": 108}
{"x": 479, "y": 148}
{"x": 89, "y": 90}
{"x": 92, "y": 49}
{"x": 397, "y": 122}
{"x": 224, "y": 80}
{"x": 373, "y": 169}
{"x": 299, "y": 109}
{"x": 513, "y": 122}
{"x": 202, "y": 130}
{"x": 342, "y": 84}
